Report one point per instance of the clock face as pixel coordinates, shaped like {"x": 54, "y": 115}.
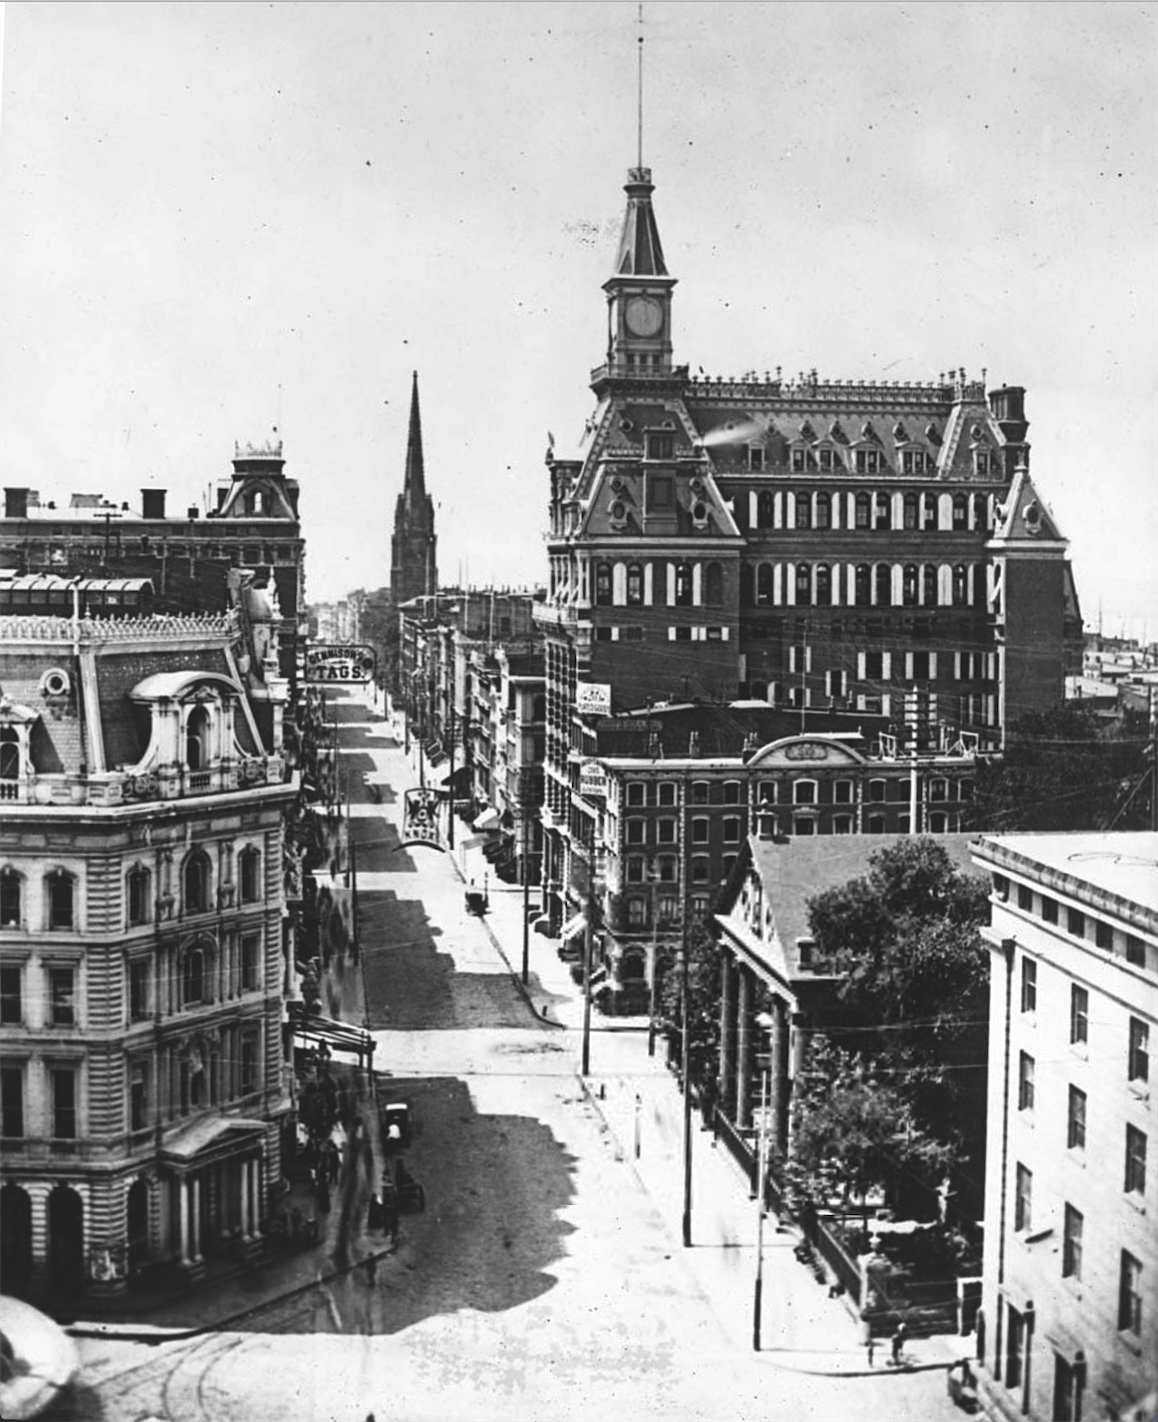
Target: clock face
{"x": 644, "y": 316}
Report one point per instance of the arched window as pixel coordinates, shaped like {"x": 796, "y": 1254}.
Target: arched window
{"x": 981, "y": 511}
{"x": 137, "y": 895}
{"x": 193, "y": 981}
{"x": 910, "y": 510}
{"x": 60, "y": 890}
{"x": 713, "y": 585}
{"x": 9, "y": 753}
{"x": 884, "y": 584}
{"x": 910, "y": 585}
{"x": 804, "y": 792}
{"x": 929, "y": 585}
{"x": 862, "y": 511}
{"x": 928, "y": 511}
{"x": 603, "y": 584}
{"x": 823, "y": 585}
{"x": 683, "y": 585}
{"x": 960, "y": 513}
{"x": 884, "y": 511}
{"x": 765, "y": 510}
{"x": 195, "y": 882}
{"x": 747, "y": 585}
{"x": 249, "y": 875}
{"x": 764, "y": 585}
{"x": 804, "y": 584}
{"x": 634, "y": 584}
{"x": 197, "y": 739}
{"x": 960, "y": 585}
{"x": 11, "y": 898}
{"x": 824, "y": 510}
{"x": 863, "y": 576}
{"x": 803, "y": 510}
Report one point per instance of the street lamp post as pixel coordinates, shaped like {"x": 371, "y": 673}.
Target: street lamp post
{"x": 764, "y": 1022}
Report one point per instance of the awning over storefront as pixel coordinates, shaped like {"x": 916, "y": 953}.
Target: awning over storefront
{"x": 573, "y": 926}
{"x": 460, "y": 776}
{"x": 489, "y": 819}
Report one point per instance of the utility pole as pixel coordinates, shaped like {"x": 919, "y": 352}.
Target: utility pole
{"x": 652, "y": 995}
{"x": 686, "y": 1059}
{"x": 764, "y": 1022}
{"x": 450, "y": 787}
{"x": 526, "y": 884}
{"x": 588, "y": 950}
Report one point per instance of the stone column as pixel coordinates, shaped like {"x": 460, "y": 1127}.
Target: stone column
{"x": 744, "y": 1050}
{"x": 195, "y": 1219}
{"x": 183, "y": 1203}
{"x": 727, "y": 1032}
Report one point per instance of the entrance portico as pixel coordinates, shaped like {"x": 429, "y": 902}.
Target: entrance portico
{"x": 216, "y": 1178}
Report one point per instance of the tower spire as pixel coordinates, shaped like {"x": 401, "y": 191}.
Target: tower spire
{"x": 639, "y": 126}
{"x": 414, "y": 483}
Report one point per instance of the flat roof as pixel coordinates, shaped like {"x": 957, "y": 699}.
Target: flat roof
{"x": 1122, "y": 864}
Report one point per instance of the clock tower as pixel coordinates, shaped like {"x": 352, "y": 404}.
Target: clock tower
{"x": 639, "y": 292}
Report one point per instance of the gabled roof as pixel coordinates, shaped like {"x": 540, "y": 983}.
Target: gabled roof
{"x": 1023, "y": 517}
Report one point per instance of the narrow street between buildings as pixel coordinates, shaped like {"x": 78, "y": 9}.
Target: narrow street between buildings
{"x": 545, "y": 1277}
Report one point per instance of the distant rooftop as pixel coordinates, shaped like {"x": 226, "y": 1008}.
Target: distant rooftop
{"x": 1125, "y": 865}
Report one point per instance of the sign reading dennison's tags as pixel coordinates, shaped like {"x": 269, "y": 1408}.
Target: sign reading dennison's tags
{"x": 593, "y": 698}
{"x": 592, "y": 779}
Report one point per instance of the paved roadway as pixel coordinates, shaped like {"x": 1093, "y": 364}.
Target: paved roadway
{"x": 546, "y": 1278}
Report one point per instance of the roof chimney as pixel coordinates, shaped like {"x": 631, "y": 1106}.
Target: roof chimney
{"x": 16, "y": 503}
{"x": 153, "y": 503}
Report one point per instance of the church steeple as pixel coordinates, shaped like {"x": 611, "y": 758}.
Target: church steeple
{"x": 413, "y": 548}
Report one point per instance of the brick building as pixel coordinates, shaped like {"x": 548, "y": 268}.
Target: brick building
{"x": 190, "y": 558}
{"x": 816, "y": 544}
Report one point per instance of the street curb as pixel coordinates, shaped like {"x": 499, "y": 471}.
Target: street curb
{"x": 517, "y": 977}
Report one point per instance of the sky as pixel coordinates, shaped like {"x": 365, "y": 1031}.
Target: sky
{"x": 219, "y": 219}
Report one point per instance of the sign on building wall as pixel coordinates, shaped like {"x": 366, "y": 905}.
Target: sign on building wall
{"x": 592, "y": 780}
{"x": 335, "y": 661}
{"x": 420, "y": 817}
{"x": 593, "y": 698}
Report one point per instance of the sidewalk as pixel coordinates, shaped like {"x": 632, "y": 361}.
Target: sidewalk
{"x": 640, "y": 1103}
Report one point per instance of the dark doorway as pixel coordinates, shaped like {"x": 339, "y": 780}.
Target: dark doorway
{"x": 15, "y": 1240}
{"x": 65, "y": 1237}
{"x": 138, "y": 1225}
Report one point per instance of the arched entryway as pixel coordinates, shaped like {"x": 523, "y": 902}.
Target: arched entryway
{"x": 15, "y": 1240}
{"x": 138, "y": 1224}
{"x": 65, "y": 1236}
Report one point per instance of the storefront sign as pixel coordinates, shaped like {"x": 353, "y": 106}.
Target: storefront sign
{"x": 593, "y": 698}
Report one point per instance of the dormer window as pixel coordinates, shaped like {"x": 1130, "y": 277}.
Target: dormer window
{"x": 197, "y": 739}
{"x": 755, "y": 458}
{"x": 799, "y": 461}
{"x": 868, "y": 461}
{"x": 829, "y": 459}
{"x": 660, "y": 445}
{"x": 982, "y": 462}
{"x": 915, "y": 461}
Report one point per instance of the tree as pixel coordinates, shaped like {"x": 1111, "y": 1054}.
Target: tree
{"x": 914, "y": 997}
{"x": 854, "y": 1131}
{"x": 1065, "y": 770}
{"x": 703, "y": 1003}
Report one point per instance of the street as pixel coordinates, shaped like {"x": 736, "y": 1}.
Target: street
{"x": 545, "y": 1278}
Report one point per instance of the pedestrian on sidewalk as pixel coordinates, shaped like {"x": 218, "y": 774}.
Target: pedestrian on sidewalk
{"x": 899, "y": 1337}
{"x": 870, "y": 1343}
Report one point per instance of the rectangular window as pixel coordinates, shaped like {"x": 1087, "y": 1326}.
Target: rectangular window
{"x": 666, "y": 792}
{"x": 1130, "y": 1294}
{"x": 1025, "y": 1083}
{"x": 1076, "y": 922}
{"x": 1024, "y": 898}
{"x": 636, "y": 831}
{"x": 731, "y": 831}
{"x": 11, "y": 1007}
{"x": 12, "y": 1102}
{"x": 635, "y": 869}
{"x": 250, "y": 876}
{"x": 666, "y": 864}
{"x": 699, "y": 792}
{"x": 64, "y": 1104}
{"x": 667, "y": 908}
{"x": 139, "y": 1098}
{"x": 1139, "y": 1065}
{"x": 665, "y": 831}
{"x": 1048, "y": 909}
{"x": 701, "y": 871}
{"x": 248, "y": 1066}
{"x": 1072, "y": 1244}
{"x": 250, "y": 962}
{"x": 1023, "y": 1199}
{"x": 1103, "y": 934}
{"x": 59, "y": 901}
{"x": 138, "y": 896}
{"x": 1135, "y": 951}
{"x": 1028, "y": 985}
{"x": 1135, "y": 1161}
{"x": 9, "y": 900}
{"x": 637, "y": 913}
{"x": 700, "y": 831}
{"x": 842, "y": 824}
{"x": 842, "y": 792}
{"x": 139, "y": 990}
{"x": 1076, "y": 1120}
{"x": 62, "y": 992}
{"x": 1079, "y": 1015}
